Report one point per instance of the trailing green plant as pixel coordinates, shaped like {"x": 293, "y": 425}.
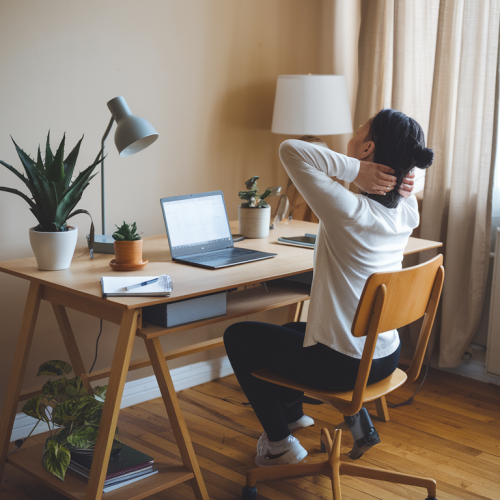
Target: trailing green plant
{"x": 252, "y": 197}
{"x": 72, "y": 414}
{"x": 126, "y": 232}
{"x": 54, "y": 194}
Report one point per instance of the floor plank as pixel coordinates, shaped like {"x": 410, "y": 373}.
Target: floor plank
{"x": 451, "y": 432}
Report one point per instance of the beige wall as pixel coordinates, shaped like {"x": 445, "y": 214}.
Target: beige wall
{"x": 203, "y": 72}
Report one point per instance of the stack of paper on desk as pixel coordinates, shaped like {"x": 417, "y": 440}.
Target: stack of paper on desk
{"x": 113, "y": 286}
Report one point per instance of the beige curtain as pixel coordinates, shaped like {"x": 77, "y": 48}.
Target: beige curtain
{"x": 435, "y": 60}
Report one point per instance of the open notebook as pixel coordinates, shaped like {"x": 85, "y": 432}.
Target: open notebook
{"x": 113, "y": 286}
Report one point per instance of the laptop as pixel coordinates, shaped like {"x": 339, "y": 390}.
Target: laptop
{"x": 199, "y": 234}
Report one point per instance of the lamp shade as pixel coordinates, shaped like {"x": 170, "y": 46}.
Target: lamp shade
{"x": 311, "y": 105}
{"x": 133, "y": 134}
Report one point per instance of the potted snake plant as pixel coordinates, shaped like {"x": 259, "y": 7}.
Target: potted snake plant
{"x": 54, "y": 196}
{"x": 254, "y": 214}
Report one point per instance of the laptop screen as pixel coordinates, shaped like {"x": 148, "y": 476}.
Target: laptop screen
{"x": 196, "y": 223}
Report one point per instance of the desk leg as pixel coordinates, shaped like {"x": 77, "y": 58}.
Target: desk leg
{"x": 18, "y": 369}
{"x": 71, "y": 345}
{"x": 175, "y": 417}
{"x": 119, "y": 369}
{"x": 295, "y": 312}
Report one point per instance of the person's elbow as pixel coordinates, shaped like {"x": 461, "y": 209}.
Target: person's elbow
{"x": 288, "y": 150}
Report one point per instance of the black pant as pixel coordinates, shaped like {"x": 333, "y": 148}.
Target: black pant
{"x": 251, "y": 345}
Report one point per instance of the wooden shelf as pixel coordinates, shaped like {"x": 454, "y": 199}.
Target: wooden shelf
{"x": 240, "y": 303}
{"x": 170, "y": 473}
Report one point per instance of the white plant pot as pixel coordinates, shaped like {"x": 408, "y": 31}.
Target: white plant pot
{"x": 53, "y": 251}
{"x": 254, "y": 222}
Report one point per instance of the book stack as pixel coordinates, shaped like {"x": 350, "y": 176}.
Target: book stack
{"x": 126, "y": 466}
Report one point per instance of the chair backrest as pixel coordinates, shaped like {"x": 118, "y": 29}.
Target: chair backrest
{"x": 392, "y": 300}
{"x": 408, "y": 294}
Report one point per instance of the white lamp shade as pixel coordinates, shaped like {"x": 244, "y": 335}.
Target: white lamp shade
{"x": 133, "y": 134}
{"x": 311, "y": 105}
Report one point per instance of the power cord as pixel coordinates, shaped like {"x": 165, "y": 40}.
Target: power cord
{"x": 96, "y": 347}
{"x": 410, "y": 400}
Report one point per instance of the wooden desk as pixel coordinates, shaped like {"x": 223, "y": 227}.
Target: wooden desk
{"x": 79, "y": 288}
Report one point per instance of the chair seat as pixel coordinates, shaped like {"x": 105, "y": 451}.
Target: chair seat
{"x": 372, "y": 392}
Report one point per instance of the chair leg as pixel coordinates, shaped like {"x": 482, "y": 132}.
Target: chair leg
{"x": 392, "y": 477}
{"x": 382, "y": 410}
{"x": 334, "y": 461}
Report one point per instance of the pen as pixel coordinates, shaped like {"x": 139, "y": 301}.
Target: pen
{"x": 144, "y": 283}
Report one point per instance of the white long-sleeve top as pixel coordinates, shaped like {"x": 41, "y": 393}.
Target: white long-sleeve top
{"x": 357, "y": 237}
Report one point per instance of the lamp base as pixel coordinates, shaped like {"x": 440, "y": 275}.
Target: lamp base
{"x": 103, "y": 243}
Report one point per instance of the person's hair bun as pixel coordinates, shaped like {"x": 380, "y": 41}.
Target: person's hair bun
{"x": 423, "y": 156}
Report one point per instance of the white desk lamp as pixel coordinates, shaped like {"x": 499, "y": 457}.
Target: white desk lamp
{"x": 133, "y": 134}
{"x": 311, "y": 105}
{"x": 308, "y": 106}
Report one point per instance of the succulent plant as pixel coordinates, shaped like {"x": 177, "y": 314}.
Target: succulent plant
{"x": 126, "y": 232}
{"x": 54, "y": 195}
{"x": 253, "y": 199}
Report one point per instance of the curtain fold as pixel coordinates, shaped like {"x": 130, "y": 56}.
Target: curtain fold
{"x": 457, "y": 206}
{"x": 435, "y": 60}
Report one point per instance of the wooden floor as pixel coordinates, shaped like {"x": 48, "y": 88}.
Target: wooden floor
{"x": 451, "y": 433}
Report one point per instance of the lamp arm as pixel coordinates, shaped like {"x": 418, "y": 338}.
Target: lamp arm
{"x": 103, "y": 141}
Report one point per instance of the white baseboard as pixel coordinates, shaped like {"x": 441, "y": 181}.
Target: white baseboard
{"x": 474, "y": 369}
{"x": 144, "y": 389}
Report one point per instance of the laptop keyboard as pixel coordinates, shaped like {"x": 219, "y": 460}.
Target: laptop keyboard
{"x": 223, "y": 254}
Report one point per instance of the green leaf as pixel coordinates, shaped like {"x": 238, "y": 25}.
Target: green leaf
{"x": 54, "y": 171}
{"x": 35, "y": 407}
{"x": 54, "y": 368}
{"x": 48, "y": 152}
{"x": 16, "y": 172}
{"x": 76, "y": 388}
{"x": 39, "y": 161}
{"x": 69, "y": 411}
{"x": 83, "y": 437}
{"x": 100, "y": 391}
{"x": 55, "y": 458}
{"x": 70, "y": 162}
{"x": 49, "y": 389}
{"x": 22, "y": 195}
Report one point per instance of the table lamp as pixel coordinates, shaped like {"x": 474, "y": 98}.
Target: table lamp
{"x": 311, "y": 105}
{"x": 133, "y": 134}
{"x": 308, "y": 106}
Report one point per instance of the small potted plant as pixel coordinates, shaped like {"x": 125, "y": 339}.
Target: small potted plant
{"x": 128, "y": 248}
{"x": 54, "y": 196}
{"x": 255, "y": 214}
{"x": 72, "y": 414}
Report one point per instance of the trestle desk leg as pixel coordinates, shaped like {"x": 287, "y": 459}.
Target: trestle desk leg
{"x": 175, "y": 417}
{"x": 295, "y": 312}
{"x": 119, "y": 369}
{"x": 18, "y": 368}
{"x": 71, "y": 345}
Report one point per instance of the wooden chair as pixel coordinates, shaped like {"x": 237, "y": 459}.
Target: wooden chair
{"x": 389, "y": 301}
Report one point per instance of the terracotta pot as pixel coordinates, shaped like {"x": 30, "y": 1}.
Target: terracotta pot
{"x": 128, "y": 252}
{"x": 53, "y": 251}
{"x": 254, "y": 222}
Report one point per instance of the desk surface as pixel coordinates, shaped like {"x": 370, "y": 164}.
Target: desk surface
{"x": 84, "y": 275}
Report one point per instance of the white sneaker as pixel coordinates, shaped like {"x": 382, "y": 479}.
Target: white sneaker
{"x": 289, "y": 450}
{"x": 302, "y": 422}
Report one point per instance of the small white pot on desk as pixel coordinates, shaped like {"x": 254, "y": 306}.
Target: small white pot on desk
{"x": 254, "y": 221}
{"x": 53, "y": 251}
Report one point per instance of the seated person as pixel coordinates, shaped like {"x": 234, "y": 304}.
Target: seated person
{"x": 358, "y": 235}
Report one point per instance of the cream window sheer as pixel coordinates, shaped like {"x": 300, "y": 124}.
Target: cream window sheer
{"x": 436, "y": 61}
